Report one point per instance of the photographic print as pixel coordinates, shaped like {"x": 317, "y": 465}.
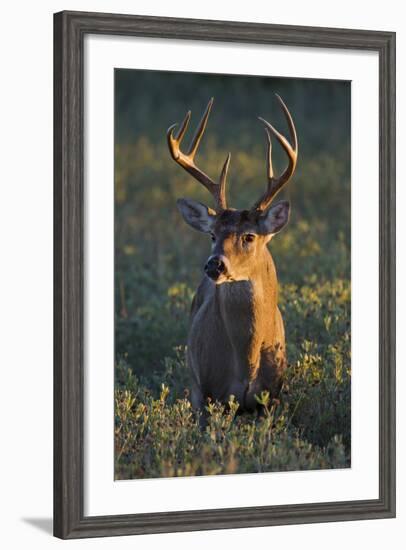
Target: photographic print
{"x": 232, "y": 274}
{"x": 218, "y": 319}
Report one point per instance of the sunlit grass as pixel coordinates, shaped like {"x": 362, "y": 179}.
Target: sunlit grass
{"x": 158, "y": 266}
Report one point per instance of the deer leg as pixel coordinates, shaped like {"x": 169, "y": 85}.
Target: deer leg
{"x": 255, "y": 387}
{"x": 268, "y": 377}
{"x": 198, "y": 404}
{"x": 238, "y": 389}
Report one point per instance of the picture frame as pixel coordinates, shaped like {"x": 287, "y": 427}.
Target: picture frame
{"x": 70, "y": 28}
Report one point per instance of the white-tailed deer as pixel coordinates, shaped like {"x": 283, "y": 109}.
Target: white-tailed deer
{"x": 236, "y": 342}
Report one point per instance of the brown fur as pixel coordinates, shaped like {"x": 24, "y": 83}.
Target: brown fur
{"x": 236, "y": 343}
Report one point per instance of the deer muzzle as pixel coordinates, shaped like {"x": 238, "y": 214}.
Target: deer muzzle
{"x": 215, "y": 267}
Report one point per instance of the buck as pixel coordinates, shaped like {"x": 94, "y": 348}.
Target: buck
{"x": 236, "y": 341}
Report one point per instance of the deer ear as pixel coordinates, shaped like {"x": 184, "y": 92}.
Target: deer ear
{"x": 275, "y": 218}
{"x": 196, "y": 214}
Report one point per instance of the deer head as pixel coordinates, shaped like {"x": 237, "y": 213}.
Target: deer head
{"x": 239, "y": 236}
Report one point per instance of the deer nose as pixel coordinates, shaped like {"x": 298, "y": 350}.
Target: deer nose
{"x": 214, "y": 267}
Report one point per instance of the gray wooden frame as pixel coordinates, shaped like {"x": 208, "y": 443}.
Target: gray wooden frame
{"x": 69, "y": 31}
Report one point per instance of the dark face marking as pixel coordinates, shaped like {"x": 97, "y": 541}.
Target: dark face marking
{"x": 237, "y": 243}
{"x": 237, "y": 218}
{"x": 239, "y": 237}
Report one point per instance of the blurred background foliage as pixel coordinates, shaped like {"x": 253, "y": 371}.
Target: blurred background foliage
{"x": 158, "y": 259}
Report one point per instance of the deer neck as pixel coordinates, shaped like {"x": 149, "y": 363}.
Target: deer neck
{"x": 248, "y": 309}
{"x": 258, "y": 292}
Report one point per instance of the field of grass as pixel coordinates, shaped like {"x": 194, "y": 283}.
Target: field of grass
{"x": 158, "y": 264}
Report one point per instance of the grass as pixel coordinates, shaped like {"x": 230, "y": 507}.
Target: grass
{"x": 157, "y": 435}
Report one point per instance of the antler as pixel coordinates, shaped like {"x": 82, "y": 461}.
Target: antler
{"x": 186, "y": 160}
{"x": 275, "y": 184}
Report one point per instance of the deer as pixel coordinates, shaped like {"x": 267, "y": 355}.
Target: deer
{"x": 236, "y": 339}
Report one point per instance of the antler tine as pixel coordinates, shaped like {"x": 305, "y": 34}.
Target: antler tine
{"x": 186, "y": 160}
{"x": 269, "y": 154}
{"x": 289, "y": 120}
{"x": 223, "y": 180}
{"x": 275, "y": 184}
{"x": 183, "y": 127}
{"x": 200, "y": 130}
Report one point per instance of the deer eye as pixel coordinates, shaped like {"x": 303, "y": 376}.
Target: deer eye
{"x": 248, "y": 237}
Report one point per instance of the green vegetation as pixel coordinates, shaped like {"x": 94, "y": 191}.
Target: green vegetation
{"x": 158, "y": 264}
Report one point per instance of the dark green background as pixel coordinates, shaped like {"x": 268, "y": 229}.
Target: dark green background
{"x": 156, "y": 251}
